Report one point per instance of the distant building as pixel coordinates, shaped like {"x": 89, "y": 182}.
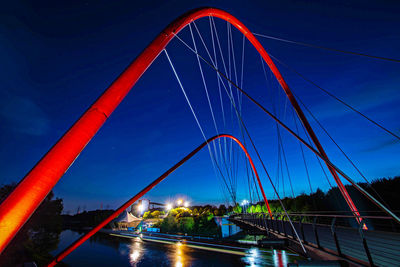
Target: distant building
{"x": 126, "y": 220}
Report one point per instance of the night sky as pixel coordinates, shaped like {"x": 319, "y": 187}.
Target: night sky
{"x": 59, "y": 56}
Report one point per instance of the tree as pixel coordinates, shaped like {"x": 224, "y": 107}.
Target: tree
{"x": 258, "y": 209}
{"x": 38, "y": 236}
{"x": 264, "y": 209}
{"x": 237, "y": 208}
{"x": 222, "y": 210}
{"x": 251, "y": 209}
{"x": 156, "y": 214}
{"x": 195, "y": 212}
{"x": 147, "y": 215}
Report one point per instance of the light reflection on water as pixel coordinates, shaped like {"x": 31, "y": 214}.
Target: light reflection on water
{"x": 136, "y": 251}
{"x": 104, "y": 250}
{"x": 255, "y": 257}
{"x": 181, "y": 255}
{"x": 280, "y": 258}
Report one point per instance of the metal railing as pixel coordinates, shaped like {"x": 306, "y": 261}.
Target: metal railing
{"x": 337, "y": 234}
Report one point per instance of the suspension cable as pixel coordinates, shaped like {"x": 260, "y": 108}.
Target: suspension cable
{"x": 327, "y": 161}
{"x": 277, "y": 128}
{"x": 215, "y": 62}
{"x": 265, "y": 170}
{"x": 286, "y": 164}
{"x": 197, "y": 121}
{"x": 227, "y": 73}
{"x": 248, "y": 134}
{"x": 327, "y": 48}
{"x": 302, "y": 153}
{"x": 337, "y": 98}
{"x": 341, "y": 150}
{"x": 205, "y": 87}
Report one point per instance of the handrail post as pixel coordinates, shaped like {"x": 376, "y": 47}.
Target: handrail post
{"x": 335, "y": 236}
{"x": 364, "y": 241}
{"x": 316, "y": 231}
{"x": 266, "y": 223}
{"x": 272, "y": 221}
{"x": 270, "y": 225}
{"x": 276, "y": 222}
{"x": 280, "y": 227}
{"x": 302, "y": 230}
{"x": 283, "y": 224}
{"x": 293, "y": 234}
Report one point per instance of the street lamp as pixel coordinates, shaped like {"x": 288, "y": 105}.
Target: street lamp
{"x": 244, "y": 203}
{"x": 180, "y": 201}
{"x": 140, "y": 208}
{"x": 186, "y": 204}
{"x": 168, "y": 206}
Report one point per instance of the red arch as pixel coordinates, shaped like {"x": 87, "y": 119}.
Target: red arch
{"x": 23, "y": 201}
{"x": 126, "y": 205}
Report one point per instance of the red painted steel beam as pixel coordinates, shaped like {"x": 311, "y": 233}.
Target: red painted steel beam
{"x": 33, "y": 188}
{"x": 126, "y": 205}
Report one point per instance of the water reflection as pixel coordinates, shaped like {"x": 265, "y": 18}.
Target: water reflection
{"x": 181, "y": 255}
{"x": 255, "y": 257}
{"x": 136, "y": 251}
{"x": 178, "y": 255}
{"x": 280, "y": 258}
{"x": 101, "y": 252}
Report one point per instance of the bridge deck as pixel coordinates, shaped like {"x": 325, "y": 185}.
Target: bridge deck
{"x": 384, "y": 247}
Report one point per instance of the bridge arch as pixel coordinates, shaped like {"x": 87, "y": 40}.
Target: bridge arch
{"x": 126, "y": 205}
{"x": 33, "y": 188}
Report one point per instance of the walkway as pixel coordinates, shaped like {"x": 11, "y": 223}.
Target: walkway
{"x": 384, "y": 247}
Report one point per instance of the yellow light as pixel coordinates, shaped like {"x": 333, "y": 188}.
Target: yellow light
{"x": 168, "y": 206}
{"x": 179, "y": 256}
{"x": 136, "y": 252}
{"x": 186, "y": 204}
{"x": 179, "y": 201}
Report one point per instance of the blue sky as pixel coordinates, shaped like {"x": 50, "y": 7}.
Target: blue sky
{"x": 57, "y": 58}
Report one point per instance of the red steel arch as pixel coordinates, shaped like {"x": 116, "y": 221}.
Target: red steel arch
{"x": 33, "y": 188}
{"x": 126, "y": 205}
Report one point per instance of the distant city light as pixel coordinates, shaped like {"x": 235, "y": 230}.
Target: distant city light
{"x": 186, "y": 204}
{"x": 180, "y": 201}
{"x": 168, "y": 206}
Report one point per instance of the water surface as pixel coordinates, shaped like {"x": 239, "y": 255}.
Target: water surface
{"x": 104, "y": 250}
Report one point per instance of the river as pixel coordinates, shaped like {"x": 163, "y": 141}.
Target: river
{"x": 104, "y": 250}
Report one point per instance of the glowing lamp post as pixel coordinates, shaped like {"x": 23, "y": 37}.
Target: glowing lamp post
{"x": 140, "y": 209}
{"x": 244, "y": 204}
{"x": 168, "y": 206}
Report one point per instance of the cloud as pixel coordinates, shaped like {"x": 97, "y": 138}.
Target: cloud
{"x": 382, "y": 145}
{"x": 22, "y": 115}
{"x": 363, "y": 96}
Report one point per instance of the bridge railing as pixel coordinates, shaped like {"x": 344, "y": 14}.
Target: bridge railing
{"x": 337, "y": 234}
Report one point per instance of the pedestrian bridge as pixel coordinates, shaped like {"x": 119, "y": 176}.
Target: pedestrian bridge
{"x": 331, "y": 236}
